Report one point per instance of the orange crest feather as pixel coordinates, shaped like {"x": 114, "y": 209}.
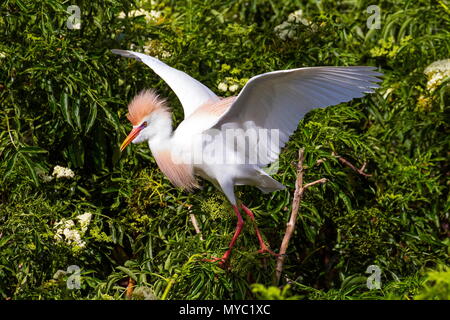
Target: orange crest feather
{"x": 146, "y": 102}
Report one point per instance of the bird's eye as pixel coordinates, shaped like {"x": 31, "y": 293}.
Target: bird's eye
{"x": 144, "y": 124}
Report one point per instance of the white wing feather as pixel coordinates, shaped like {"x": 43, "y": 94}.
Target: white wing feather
{"x": 280, "y": 99}
{"x": 192, "y": 93}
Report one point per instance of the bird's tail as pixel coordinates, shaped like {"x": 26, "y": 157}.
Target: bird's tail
{"x": 267, "y": 184}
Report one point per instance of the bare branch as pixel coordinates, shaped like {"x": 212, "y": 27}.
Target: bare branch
{"x": 298, "y": 195}
{"x": 290, "y": 227}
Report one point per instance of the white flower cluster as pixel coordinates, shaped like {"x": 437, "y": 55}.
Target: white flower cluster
{"x": 84, "y": 220}
{"x": 436, "y": 73}
{"x": 297, "y": 17}
{"x": 67, "y": 231}
{"x": 150, "y": 16}
{"x": 286, "y": 30}
{"x": 2, "y": 55}
{"x": 223, "y": 86}
{"x": 61, "y": 172}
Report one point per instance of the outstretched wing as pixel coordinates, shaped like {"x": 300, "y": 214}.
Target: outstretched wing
{"x": 279, "y": 100}
{"x": 192, "y": 93}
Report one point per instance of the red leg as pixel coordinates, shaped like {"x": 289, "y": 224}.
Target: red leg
{"x": 226, "y": 255}
{"x": 263, "y": 246}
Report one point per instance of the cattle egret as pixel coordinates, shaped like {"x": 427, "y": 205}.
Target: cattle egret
{"x": 229, "y": 141}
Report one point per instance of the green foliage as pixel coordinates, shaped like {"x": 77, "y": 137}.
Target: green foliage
{"x": 64, "y": 95}
{"x": 272, "y": 293}
{"x": 436, "y": 285}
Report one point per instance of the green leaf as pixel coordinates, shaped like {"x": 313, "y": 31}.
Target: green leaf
{"x": 31, "y": 169}
{"x": 64, "y": 105}
{"x": 128, "y": 272}
{"x": 32, "y": 150}
{"x": 76, "y": 113}
{"x": 91, "y": 117}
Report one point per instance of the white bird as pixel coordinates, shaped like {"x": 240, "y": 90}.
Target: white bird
{"x": 266, "y": 112}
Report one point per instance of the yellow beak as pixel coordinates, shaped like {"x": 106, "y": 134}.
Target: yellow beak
{"x": 130, "y": 137}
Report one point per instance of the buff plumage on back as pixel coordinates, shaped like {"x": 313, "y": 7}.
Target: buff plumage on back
{"x": 146, "y": 102}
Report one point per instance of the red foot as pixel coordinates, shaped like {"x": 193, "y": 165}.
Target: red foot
{"x": 240, "y": 224}
{"x": 267, "y": 250}
{"x": 263, "y": 246}
{"x": 264, "y": 249}
{"x": 222, "y": 261}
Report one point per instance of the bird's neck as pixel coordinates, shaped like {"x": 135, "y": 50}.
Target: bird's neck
{"x": 161, "y": 139}
{"x": 179, "y": 173}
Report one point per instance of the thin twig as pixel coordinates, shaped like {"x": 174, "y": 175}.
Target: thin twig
{"x": 320, "y": 161}
{"x": 351, "y": 166}
{"x": 323, "y": 180}
{"x": 290, "y": 227}
{"x": 195, "y": 224}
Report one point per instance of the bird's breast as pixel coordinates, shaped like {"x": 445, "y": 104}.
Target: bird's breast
{"x": 179, "y": 172}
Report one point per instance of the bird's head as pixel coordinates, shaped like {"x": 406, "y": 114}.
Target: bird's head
{"x": 149, "y": 116}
